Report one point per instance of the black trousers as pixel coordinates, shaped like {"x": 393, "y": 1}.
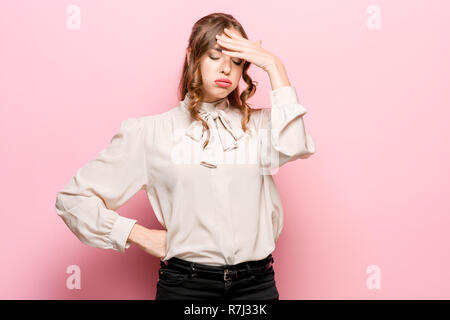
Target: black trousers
{"x": 180, "y": 279}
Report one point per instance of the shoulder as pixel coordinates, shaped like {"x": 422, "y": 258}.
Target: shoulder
{"x": 156, "y": 118}
{"x": 258, "y": 116}
{"x": 150, "y": 121}
{"x": 255, "y": 113}
{"x": 160, "y": 124}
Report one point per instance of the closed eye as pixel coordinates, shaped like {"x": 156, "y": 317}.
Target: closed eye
{"x": 236, "y": 63}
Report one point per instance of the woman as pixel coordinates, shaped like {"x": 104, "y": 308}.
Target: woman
{"x": 206, "y": 166}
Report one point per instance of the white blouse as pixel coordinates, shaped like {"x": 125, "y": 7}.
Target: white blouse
{"x": 219, "y": 205}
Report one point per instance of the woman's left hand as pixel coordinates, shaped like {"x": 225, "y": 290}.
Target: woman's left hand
{"x": 250, "y": 51}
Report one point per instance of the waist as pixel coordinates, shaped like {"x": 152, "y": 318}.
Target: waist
{"x": 226, "y": 271}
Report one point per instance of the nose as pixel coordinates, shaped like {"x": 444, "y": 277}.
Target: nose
{"x": 226, "y": 65}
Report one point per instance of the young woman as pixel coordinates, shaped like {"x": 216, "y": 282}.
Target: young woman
{"x": 206, "y": 166}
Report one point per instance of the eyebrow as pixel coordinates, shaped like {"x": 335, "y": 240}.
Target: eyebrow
{"x": 220, "y": 50}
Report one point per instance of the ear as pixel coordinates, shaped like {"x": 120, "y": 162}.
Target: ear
{"x": 188, "y": 54}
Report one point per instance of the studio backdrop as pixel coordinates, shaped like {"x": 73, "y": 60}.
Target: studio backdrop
{"x": 365, "y": 217}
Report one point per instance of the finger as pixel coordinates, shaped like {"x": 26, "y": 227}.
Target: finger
{"x": 232, "y": 45}
{"x": 234, "y": 41}
{"x": 232, "y": 36}
{"x": 234, "y": 54}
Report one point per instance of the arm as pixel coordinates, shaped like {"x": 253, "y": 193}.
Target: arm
{"x": 277, "y": 74}
{"x": 286, "y": 139}
{"x": 88, "y": 202}
{"x": 283, "y": 124}
{"x": 150, "y": 240}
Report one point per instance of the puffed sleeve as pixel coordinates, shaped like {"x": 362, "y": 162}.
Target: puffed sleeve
{"x": 284, "y": 136}
{"x": 88, "y": 202}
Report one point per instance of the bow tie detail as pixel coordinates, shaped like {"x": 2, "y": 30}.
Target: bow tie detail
{"x": 224, "y": 127}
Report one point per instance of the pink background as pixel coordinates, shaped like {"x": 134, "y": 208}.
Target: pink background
{"x": 375, "y": 193}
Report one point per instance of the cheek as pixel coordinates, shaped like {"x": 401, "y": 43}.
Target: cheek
{"x": 237, "y": 76}
{"x": 206, "y": 69}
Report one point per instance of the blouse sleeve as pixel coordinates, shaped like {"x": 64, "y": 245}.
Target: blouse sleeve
{"x": 284, "y": 130}
{"x": 88, "y": 202}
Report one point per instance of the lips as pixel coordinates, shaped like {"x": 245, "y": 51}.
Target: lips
{"x": 223, "y": 82}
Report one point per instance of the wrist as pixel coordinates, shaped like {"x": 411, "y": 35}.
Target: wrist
{"x": 274, "y": 65}
{"x": 137, "y": 233}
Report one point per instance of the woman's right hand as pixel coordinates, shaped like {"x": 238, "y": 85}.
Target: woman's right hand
{"x": 152, "y": 241}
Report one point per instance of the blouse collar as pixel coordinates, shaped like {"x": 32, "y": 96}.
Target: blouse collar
{"x": 222, "y": 121}
{"x": 208, "y": 107}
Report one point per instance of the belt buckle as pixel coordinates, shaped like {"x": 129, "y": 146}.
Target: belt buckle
{"x": 225, "y": 274}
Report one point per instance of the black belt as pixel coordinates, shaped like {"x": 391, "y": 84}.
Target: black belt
{"x": 227, "y": 272}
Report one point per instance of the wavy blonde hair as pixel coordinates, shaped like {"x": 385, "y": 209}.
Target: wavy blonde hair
{"x": 203, "y": 38}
